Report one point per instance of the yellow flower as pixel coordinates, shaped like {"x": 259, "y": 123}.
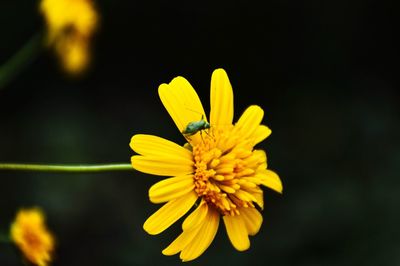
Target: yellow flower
{"x": 70, "y": 26}
{"x": 30, "y": 234}
{"x": 218, "y": 172}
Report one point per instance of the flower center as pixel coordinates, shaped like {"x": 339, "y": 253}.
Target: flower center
{"x": 225, "y": 167}
{"x": 32, "y": 239}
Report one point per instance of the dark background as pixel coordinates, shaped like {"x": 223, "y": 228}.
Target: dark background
{"x": 322, "y": 70}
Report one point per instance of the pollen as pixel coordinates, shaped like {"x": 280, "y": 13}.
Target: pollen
{"x": 225, "y": 170}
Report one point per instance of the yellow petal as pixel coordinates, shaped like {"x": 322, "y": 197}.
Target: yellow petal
{"x": 204, "y": 237}
{"x": 192, "y": 104}
{"x": 182, "y": 103}
{"x": 249, "y": 121}
{"x": 171, "y": 188}
{"x": 164, "y": 166}
{"x": 262, "y": 132}
{"x": 260, "y": 198}
{"x": 74, "y": 55}
{"x": 150, "y": 145}
{"x": 181, "y": 241}
{"x": 196, "y": 217}
{"x": 221, "y": 99}
{"x": 258, "y": 158}
{"x": 252, "y": 219}
{"x": 270, "y": 179}
{"x": 245, "y": 196}
{"x": 237, "y": 232}
{"x": 169, "y": 213}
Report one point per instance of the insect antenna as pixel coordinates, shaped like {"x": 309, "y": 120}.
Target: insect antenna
{"x": 197, "y": 112}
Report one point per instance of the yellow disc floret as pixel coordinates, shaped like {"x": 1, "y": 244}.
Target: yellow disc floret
{"x": 226, "y": 170}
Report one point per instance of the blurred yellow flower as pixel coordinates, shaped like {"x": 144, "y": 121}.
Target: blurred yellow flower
{"x": 70, "y": 26}
{"x": 218, "y": 172}
{"x": 30, "y": 234}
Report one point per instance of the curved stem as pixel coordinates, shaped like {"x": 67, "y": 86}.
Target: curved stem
{"x": 10, "y": 69}
{"x": 63, "y": 168}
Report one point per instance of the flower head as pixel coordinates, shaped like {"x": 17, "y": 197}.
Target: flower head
{"x": 30, "y": 234}
{"x": 70, "y": 26}
{"x": 217, "y": 173}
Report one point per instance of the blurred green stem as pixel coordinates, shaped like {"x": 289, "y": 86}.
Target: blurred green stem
{"x": 62, "y": 168}
{"x": 10, "y": 69}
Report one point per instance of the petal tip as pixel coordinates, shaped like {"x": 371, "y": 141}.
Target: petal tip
{"x": 133, "y": 141}
{"x": 219, "y": 71}
{"x": 187, "y": 258}
{"x": 178, "y": 79}
{"x": 162, "y": 88}
{"x": 167, "y": 252}
{"x": 245, "y": 247}
{"x": 147, "y": 229}
{"x": 269, "y": 132}
{"x": 256, "y": 108}
{"x": 279, "y": 181}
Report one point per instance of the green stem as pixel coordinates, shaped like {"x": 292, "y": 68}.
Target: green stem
{"x": 62, "y": 168}
{"x": 10, "y": 69}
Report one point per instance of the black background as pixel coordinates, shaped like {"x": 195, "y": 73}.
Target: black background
{"x": 323, "y": 71}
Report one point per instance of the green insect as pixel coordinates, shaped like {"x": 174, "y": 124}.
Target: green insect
{"x": 195, "y": 126}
